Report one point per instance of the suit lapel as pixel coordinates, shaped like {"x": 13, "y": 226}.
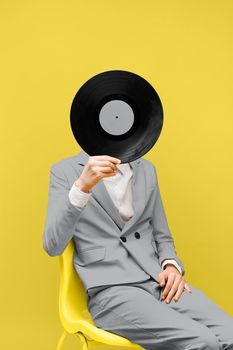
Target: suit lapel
{"x": 101, "y": 196}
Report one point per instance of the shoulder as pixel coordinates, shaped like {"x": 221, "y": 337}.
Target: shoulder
{"x": 149, "y": 166}
{"x": 63, "y": 165}
{"x": 150, "y": 172}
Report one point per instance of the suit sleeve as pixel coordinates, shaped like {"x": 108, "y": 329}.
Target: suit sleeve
{"x": 173, "y": 262}
{"x": 163, "y": 237}
{"x": 77, "y": 197}
{"x": 61, "y": 216}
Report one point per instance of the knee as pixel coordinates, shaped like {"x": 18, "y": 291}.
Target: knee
{"x": 227, "y": 338}
{"x": 228, "y": 344}
{"x": 208, "y": 340}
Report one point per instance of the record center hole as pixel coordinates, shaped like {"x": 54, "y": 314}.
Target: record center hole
{"x": 116, "y": 116}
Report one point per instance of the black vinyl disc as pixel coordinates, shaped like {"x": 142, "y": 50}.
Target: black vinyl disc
{"x": 116, "y": 113}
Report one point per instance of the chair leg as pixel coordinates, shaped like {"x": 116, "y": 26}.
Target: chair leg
{"x": 82, "y": 340}
{"x": 61, "y": 340}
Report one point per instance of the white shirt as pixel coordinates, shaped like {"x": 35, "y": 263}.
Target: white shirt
{"x": 119, "y": 188}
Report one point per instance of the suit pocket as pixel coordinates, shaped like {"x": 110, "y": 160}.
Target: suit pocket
{"x": 90, "y": 255}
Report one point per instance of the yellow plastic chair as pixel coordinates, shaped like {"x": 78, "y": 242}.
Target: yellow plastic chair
{"x": 74, "y": 314}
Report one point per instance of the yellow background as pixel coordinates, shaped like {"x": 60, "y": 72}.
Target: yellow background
{"x": 48, "y": 50}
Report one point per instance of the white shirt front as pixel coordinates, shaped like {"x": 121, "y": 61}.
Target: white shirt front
{"x": 119, "y": 188}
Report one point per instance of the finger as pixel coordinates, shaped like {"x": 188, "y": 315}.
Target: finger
{"x": 186, "y": 286}
{"x": 106, "y": 163}
{"x": 162, "y": 280}
{"x": 103, "y": 169}
{"x": 179, "y": 291}
{"x": 108, "y": 174}
{"x": 111, "y": 159}
{"x": 170, "y": 280}
{"x": 173, "y": 290}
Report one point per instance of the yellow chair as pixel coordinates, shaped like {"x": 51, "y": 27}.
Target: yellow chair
{"x": 74, "y": 314}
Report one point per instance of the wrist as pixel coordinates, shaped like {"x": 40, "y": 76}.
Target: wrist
{"x": 81, "y": 186}
{"x": 168, "y": 266}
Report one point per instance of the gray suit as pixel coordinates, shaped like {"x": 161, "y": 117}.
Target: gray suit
{"x": 112, "y": 256}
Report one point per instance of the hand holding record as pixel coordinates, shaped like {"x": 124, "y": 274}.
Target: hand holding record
{"x": 95, "y": 169}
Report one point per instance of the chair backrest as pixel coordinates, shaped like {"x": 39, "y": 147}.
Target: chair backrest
{"x": 72, "y": 294}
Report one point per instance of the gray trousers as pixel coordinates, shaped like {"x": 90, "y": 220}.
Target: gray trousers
{"x": 137, "y": 312}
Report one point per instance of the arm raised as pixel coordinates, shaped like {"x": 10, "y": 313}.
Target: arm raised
{"x": 61, "y": 216}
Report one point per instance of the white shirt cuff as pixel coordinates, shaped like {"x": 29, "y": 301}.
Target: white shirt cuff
{"x": 77, "y": 197}
{"x": 173, "y": 262}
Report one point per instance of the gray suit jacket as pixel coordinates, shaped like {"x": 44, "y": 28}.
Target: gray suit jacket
{"x": 108, "y": 250}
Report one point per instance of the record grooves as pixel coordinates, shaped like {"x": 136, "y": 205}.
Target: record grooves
{"x": 117, "y": 113}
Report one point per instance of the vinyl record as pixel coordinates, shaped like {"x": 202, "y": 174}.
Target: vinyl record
{"x": 116, "y": 113}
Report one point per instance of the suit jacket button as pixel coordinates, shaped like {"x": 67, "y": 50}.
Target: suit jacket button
{"x": 137, "y": 234}
{"x": 123, "y": 239}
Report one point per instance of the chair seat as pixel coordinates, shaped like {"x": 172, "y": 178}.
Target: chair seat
{"x": 74, "y": 314}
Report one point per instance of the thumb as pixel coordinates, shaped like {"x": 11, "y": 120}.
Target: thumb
{"x": 186, "y": 286}
{"x": 162, "y": 280}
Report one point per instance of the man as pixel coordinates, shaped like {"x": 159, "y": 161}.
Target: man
{"x": 125, "y": 255}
